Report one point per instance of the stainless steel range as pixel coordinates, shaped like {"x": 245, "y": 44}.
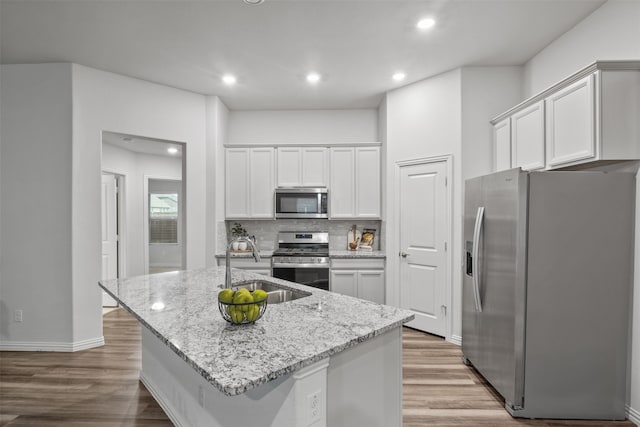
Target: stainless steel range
{"x": 302, "y": 257}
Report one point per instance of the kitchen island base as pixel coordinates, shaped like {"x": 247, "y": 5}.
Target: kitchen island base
{"x": 359, "y": 386}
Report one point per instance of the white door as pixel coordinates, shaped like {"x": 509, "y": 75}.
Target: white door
{"x": 109, "y": 235}
{"x": 424, "y": 228}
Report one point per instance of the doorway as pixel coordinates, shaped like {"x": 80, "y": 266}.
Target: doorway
{"x": 110, "y": 230}
{"x": 164, "y": 225}
{"x": 424, "y": 233}
{"x": 135, "y": 159}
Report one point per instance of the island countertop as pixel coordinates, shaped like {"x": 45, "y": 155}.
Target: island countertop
{"x": 181, "y": 309}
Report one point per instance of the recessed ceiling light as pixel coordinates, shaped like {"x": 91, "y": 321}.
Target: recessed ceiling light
{"x": 426, "y": 23}
{"x": 398, "y": 76}
{"x": 172, "y": 150}
{"x": 229, "y": 79}
{"x": 313, "y": 77}
{"x": 254, "y": 1}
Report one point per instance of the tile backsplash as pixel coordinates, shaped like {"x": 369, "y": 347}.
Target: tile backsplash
{"x": 266, "y": 231}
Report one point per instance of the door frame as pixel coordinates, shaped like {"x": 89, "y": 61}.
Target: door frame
{"x": 395, "y": 260}
{"x": 121, "y": 219}
{"x": 145, "y": 216}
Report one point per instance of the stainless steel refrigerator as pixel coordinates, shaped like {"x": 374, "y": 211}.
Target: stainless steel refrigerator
{"x": 547, "y": 289}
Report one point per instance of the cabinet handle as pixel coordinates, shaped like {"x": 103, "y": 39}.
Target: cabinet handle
{"x": 404, "y": 254}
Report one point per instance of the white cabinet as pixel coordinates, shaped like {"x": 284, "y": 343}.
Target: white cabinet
{"x": 591, "y": 116}
{"x": 502, "y": 145}
{"x": 527, "y": 137}
{"x": 302, "y": 166}
{"x": 570, "y": 131}
{"x": 355, "y": 181}
{"x": 249, "y": 182}
{"x": 361, "y": 278}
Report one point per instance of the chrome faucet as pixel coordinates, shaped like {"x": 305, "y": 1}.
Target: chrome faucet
{"x": 254, "y": 252}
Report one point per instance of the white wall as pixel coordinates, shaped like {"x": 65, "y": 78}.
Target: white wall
{"x": 422, "y": 120}
{"x": 611, "y": 32}
{"x": 107, "y": 101}
{"x": 217, "y": 118}
{"x": 35, "y": 188}
{"x": 486, "y": 92}
{"x": 302, "y": 127}
{"x": 134, "y": 167}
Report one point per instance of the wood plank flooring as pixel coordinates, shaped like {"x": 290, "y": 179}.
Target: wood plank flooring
{"x": 100, "y": 387}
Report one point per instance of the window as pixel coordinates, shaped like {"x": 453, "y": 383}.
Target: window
{"x": 163, "y": 218}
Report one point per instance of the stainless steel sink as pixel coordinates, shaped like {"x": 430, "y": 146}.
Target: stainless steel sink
{"x": 275, "y": 293}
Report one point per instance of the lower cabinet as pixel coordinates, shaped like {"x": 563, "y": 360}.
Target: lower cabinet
{"x": 363, "y": 278}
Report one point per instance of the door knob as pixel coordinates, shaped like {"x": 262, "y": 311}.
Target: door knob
{"x": 404, "y": 254}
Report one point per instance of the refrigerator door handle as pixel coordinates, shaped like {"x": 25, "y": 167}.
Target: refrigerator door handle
{"x": 475, "y": 265}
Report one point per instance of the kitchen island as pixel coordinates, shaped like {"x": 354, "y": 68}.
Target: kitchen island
{"x": 322, "y": 360}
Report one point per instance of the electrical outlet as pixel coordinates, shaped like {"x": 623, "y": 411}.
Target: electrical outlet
{"x": 17, "y": 316}
{"x": 314, "y": 407}
{"x": 201, "y": 396}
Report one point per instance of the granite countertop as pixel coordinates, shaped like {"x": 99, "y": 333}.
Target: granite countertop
{"x": 247, "y": 254}
{"x": 237, "y": 358}
{"x": 357, "y": 254}
{"x": 332, "y": 254}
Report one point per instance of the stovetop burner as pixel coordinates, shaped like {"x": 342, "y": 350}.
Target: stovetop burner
{"x": 303, "y": 244}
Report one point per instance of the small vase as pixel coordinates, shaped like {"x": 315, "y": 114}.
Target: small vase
{"x": 235, "y": 245}
{"x": 242, "y": 246}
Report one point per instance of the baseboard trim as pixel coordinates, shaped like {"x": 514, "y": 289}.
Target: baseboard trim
{"x": 164, "y": 404}
{"x": 632, "y": 415}
{"x": 65, "y": 347}
{"x": 455, "y": 339}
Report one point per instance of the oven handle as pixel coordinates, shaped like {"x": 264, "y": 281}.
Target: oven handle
{"x": 296, "y": 265}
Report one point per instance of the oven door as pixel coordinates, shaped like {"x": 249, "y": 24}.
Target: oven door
{"x": 315, "y": 275}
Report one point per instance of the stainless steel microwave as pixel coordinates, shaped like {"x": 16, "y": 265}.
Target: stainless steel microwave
{"x": 301, "y": 202}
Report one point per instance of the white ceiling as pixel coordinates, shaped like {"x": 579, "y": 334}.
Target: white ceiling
{"x": 355, "y": 44}
{"x": 139, "y": 144}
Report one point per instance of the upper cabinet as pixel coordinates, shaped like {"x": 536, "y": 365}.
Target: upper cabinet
{"x": 249, "y": 182}
{"x": 502, "y": 145}
{"x": 302, "y": 166}
{"x": 590, "y": 116}
{"x": 527, "y": 137}
{"x": 355, "y": 182}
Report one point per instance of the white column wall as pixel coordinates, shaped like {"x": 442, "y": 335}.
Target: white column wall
{"x": 423, "y": 120}
{"x": 35, "y": 189}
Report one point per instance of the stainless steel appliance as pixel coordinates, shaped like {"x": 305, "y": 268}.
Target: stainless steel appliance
{"x": 302, "y": 257}
{"x": 546, "y": 289}
{"x": 301, "y": 202}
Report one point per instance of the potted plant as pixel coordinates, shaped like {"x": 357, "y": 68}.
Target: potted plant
{"x": 238, "y": 231}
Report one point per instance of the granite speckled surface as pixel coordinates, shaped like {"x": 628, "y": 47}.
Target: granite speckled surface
{"x": 234, "y": 358}
{"x": 357, "y": 254}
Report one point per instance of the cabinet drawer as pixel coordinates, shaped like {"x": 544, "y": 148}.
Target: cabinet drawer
{"x": 247, "y": 263}
{"x": 357, "y": 263}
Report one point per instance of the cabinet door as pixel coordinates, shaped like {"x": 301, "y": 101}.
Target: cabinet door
{"x": 344, "y": 282}
{"x": 371, "y": 285}
{"x": 527, "y": 138}
{"x": 289, "y": 166}
{"x": 367, "y": 181}
{"x": 314, "y": 167}
{"x": 570, "y": 115}
{"x": 342, "y": 189}
{"x": 262, "y": 188}
{"x": 237, "y": 183}
{"x": 502, "y": 145}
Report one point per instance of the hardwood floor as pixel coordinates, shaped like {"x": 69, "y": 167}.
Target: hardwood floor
{"x": 100, "y": 387}
{"x": 439, "y": 390}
